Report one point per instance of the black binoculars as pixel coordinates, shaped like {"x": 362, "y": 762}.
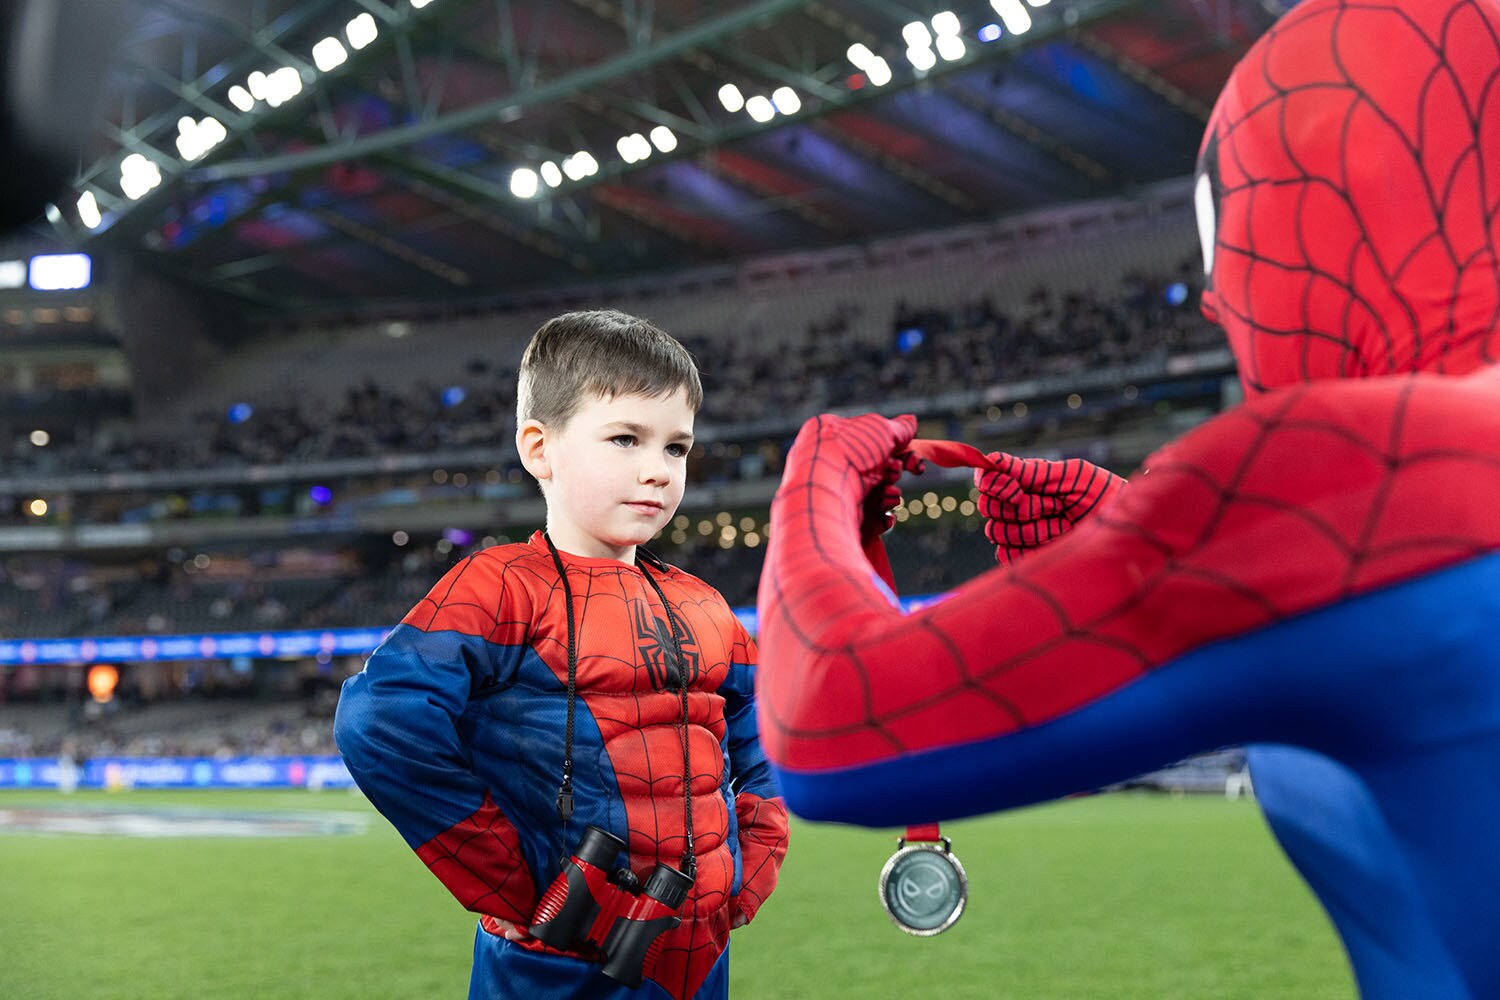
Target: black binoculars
{"x": 591, "y": 902}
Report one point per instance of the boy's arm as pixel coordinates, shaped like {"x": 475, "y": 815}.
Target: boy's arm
{"x": 397, "y": 728}
{"x": 758, "y": 805}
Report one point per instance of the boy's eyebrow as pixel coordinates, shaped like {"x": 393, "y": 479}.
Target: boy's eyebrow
{"x": 641, "y": 430}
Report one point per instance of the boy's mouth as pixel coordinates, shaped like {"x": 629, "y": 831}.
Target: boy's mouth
{"x": 646, "y": 506}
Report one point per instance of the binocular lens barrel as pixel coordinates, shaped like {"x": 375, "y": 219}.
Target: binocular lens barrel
{"x": 598, "y": 847}
{"x": 667, "y": 885}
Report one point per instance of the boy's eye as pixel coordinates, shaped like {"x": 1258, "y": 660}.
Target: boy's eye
{"x": 677, "y": 450}
{"x": 624, "y": 440}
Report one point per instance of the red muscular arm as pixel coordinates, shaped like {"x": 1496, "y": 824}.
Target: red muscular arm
{"x": 1285, "y": 504}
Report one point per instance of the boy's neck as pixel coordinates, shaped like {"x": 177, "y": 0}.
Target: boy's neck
{"x": 586, "y": 547}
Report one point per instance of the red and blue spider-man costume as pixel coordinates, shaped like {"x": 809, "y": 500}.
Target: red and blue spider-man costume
{"x": 455, "y": 730}
{"x": 1315, "y": 573}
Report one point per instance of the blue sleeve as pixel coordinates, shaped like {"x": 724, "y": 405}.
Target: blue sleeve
{"x": 749, "y": 769}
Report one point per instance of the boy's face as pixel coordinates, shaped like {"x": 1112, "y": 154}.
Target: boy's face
{"x": 614, "y": 473}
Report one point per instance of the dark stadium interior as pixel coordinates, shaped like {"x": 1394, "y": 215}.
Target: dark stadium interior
{"x": 284, "y": 400}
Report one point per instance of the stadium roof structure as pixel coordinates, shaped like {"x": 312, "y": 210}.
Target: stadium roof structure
{"x": 329, "y": 154}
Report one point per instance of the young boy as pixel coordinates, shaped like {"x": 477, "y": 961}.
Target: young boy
{"x": 539, "y": 689}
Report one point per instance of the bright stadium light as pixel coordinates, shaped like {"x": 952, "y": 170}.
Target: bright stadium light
{"x": 12, "y": 274}
{"x": 761, "y": 108}
{"x": 56, "y": 272}
{"x": 138, "y": 176}
{"x": 879, "y": 72}
{"x": 945, "y": 22}
{"x": 1013, "y": 15}
{"x": 950, "y": 47}
{"x": 419, "y": 4}
{"x": 580, "y": 165}
{"x": 196, "y": 138}
{"x": 361, "y": 31}
{"x": 283, "y": 85}
{"x": 663, "y": 139}
{"x": 786, "y": 100}
{"x": 1039, "y": 3}
{"x": 523, "y": 182}
{"x": 731, "y": 98}
{"x": 917, "y": 36}
{"x": 551, "y": 174}
{"x": 922, "y": 59}
{"x": 860, "y": 55}
{"x": 240, "y": 98}
{"x": 259, "y": 85}
{"x": 633, "y": 147}
{"x": 329, "y": 53}
{"x": 989, "y": 33}
{"x": 88, "y": 210}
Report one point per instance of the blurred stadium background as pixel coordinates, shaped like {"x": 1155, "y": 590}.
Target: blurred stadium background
{"x": 256, "y": 395}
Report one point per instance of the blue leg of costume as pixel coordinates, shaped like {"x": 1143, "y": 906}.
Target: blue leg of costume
{"x": 505, "y": 971}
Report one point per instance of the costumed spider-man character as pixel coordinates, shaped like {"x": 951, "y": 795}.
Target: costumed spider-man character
{"x": 456, "y": 730}
{"x": 1315, "y": 573}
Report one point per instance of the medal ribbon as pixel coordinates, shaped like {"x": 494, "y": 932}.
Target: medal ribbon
{"x": 950, "y": 455}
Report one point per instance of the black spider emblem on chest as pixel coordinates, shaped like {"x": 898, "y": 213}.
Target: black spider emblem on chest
{"x": 654, "y": 640}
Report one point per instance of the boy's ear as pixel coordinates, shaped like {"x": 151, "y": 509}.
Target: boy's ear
{"x": 531, "y": 442}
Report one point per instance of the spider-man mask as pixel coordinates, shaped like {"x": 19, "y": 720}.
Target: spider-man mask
{"x": 1348, "y": 193}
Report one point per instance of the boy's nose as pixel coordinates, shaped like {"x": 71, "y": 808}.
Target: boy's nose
{"x": 654, "y": 472}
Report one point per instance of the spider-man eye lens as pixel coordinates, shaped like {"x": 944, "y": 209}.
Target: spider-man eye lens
{"x": 1205, "y": 210}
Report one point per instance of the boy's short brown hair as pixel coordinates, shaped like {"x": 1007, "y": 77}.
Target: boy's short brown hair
{"x": 601, "y": 351}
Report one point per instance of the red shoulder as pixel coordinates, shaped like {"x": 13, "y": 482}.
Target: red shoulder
{"x": 491, "y": 594}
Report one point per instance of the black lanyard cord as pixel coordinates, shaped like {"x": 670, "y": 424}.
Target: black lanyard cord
{"x": 565, "y": 792}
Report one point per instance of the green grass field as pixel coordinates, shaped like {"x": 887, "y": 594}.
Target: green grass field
{"x": 1109, "y": 897}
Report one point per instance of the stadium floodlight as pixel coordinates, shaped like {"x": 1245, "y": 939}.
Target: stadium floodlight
{"x": 879, "y": 72}
{"x": 329, "y": 53}
{"x": 241, "y": 98}
{"x": 138, "y": 175}
{"x": 731, "y": 98}
{"x": 945, "y": 22}
{"x": 950, "y": 47}
{"x": 40, "y": 438}
{"x": 550, "y": 174}
{"x": 419, "y": 4}
{"x": 989, "y": 33}
{"x": 259, "y": 85}
{"x": 282, "y": 86}
{"x": 1013, "y": 15}
{"x": 663, "y": 139}
{"x": 633, "y": 147}
{"x": 194, "y": 138}
{"x": 761, "y": 108}
{"x": 922, "y": 58}
{"x": 361, "y": 31}
{"x": 860, "y": 55}
{"x": 88, "y": 210}
{"x": 57, "y": 272}
{"x": 786, "y": 101}
{"x": 12, "y": 274}
{"x": 580, "y": 165}
{"x": 523, "y": 182}
{"x": 917, "y": 36}
{"x": 1039, "y": 3}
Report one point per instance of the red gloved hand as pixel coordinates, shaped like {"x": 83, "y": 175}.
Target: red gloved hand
{"x": 867, "y": 453}
{"x": 1028, "y": 502}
